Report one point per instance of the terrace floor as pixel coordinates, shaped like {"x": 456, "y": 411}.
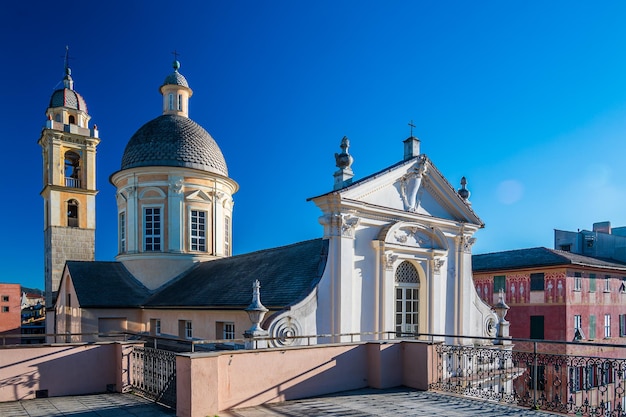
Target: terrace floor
{"x": 402, "y": 402}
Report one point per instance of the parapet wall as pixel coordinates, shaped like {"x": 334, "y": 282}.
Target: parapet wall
{"x": 208, "y": 383}
{"x": 60, "y": 370}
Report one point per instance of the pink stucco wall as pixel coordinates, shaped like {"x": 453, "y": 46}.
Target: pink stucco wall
{"x": 72, "y": 369}
{"x": 210, "y": 382}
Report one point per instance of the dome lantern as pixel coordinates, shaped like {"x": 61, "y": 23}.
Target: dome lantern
{"x": 176, "y": 93}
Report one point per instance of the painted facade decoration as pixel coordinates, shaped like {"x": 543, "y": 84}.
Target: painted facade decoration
{"x": 394, "y": 256}
{"x": 557, "y": 295}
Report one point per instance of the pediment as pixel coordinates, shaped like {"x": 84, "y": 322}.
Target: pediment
{"x": 198, "y": 195}
{"x": 413, "y": 186}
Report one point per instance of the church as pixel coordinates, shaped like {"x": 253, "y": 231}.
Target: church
{"x": 394, "y": 253}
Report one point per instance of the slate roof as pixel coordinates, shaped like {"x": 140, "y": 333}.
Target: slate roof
{"x": 172, "y": 140}
{"x": 287, "y": 275}
{"x": 106, "y": 284}
{"x": 538, "y": 257}
{"x": 176, "y": 78}
{"x": 68, "y": 98}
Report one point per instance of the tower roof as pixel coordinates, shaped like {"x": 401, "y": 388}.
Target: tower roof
{"x": 172, "y": 140}
{"x": 66, "y": 96}
{"x": 176, "y": 78}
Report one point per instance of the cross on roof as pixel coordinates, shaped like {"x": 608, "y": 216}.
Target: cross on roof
{"x": 67, "y": 58}
{"x": 175, "y": 55}
{"x": 412, "y": 126}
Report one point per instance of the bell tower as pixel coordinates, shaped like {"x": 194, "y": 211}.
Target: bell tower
{"x": 69, "y": 183}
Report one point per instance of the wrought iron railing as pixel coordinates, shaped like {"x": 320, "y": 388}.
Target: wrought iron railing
{"x": 153, "y": 374}
{"x": 537, "y": 374}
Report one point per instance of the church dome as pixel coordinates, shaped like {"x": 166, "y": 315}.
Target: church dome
{"x": 177, "y": 141}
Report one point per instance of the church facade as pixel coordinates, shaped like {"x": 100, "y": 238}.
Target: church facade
{"x": 394, "y": 255}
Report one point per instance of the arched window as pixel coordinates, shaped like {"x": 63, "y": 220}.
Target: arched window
{"x": 407, "y": 299}
{"x": 72, "y": 120}
{"x": 171, "y": 101}
{"x": 180, "y": 102}
{"x": 72, "y": 213}
{"x": 72, "y": 169}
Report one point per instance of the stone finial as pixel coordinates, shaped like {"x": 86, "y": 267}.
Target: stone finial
{"x": 343, "y": 161}
{"x": 463, "y": 191}
{"x": 501, "y": 308}
{"x": 256, "y": 311}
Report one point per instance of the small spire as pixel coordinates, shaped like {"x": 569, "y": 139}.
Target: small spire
{"x": 68, "y": 71}
{"x": 67, "y": 80}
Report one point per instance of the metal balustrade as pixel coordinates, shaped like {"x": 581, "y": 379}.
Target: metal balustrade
{"x": 534, "y": 374}
{"x": 153, "y": 374}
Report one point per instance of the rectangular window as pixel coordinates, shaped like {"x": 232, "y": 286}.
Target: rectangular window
{"x": 188, "y": 330}
{"x": 536, "y": 281}
{"x": 536, "y": 327}
{"x": 578, "y": 281}
{"x": 152, "y": 228}
{"x": 622, "y": 287}
{"x": 171, "y": 101}
{"x": 155, "y": 327}
{"x": 122, "y": 232}
{"x": 578, "y": 328}
{"x": 592, "y": 282}
{"x": 227, "y": 236}
{"x": 607, "y": 326}
{"x": 607, "y": 283}
{"x": 499, "y": 283}
{"x": 180, "y": 102}
{"x": 578, "y": 322}
{"x": 229, "y": 331}
{"x": 197, "y": 233}
{"x": 5, "y": 309}
{"x": 622, "y": 325}
{"x": 541, "y": 377}
{"x": 5, "y": 298}
{"x": 576, "y": 378}
{"x": 592, "y": 326}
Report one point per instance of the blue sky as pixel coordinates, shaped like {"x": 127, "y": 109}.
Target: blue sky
{"x": 525, "y": 99}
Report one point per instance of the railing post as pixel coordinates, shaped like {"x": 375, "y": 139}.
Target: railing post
{"x": 535, "y": 372}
